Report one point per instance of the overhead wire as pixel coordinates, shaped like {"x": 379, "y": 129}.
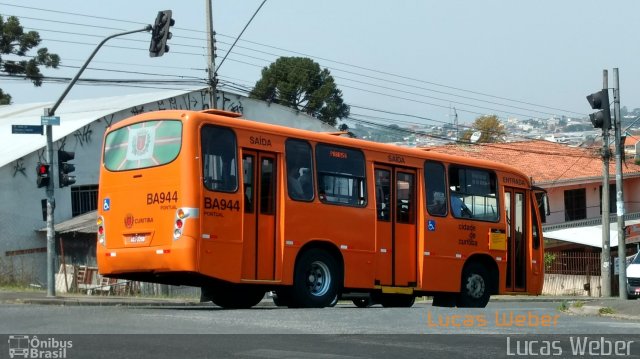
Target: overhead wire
{"x": 337, "y": 62}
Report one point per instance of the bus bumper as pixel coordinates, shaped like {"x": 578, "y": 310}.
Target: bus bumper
{"x": 179, "y": 256}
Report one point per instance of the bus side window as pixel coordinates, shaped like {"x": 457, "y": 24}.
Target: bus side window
{"x": 383, "y": 189}
{"x": 219, "y": 162}
{"x": 299, "y": 170}
{"x": 473, "y": 193}
{"x": 435, "y": 184}
{"x": 341, "y": 175}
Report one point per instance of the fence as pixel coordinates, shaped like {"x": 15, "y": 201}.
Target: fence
{"x": 572, "y": 273}
{"x": 572, "y": 263}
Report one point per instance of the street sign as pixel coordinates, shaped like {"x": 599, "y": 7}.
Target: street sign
{"x": 50, "y": 120}
{"x": 28, "y": 129}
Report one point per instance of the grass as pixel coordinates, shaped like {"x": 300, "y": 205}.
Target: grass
{"x": 578, "y": 304}
{"x": 606, "y": 310}
{"x": 564, "y": 306}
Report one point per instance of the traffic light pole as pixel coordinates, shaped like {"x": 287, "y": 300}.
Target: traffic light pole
{"x": 622, "y": 246}
{"x": 605, "y": 255}
{"x": 51, "y": 283}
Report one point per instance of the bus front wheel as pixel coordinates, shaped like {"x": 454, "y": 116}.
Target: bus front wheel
{"x": 475, "y": 288}
{"x": 316, "y": 280}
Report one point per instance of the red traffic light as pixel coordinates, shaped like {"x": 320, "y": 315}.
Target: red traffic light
{"x": 43, "y": 169}
{"x": 42, "y": 172}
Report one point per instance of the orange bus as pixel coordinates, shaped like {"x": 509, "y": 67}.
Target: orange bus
{"x": 239, "y": 208}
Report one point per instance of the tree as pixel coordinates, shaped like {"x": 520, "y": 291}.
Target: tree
{"x": 490, "y": 127}
{"x": 16, "y": 43}
{"x": 299, "y": 83}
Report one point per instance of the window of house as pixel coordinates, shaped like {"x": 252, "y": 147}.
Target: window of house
{"x": 575, "y": 204}
{"x": 341, "y": 175}
{"x": 219, "y": 159}
{"x": 84, "y": 199}
{"x": 612, "y": 199}
{"x": 299, "y": 170}
{"x": 473, "y": 193}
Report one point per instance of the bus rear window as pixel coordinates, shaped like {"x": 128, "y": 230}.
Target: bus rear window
{"x": 142, "y": 145}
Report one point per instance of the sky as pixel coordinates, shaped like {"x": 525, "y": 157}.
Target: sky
{"x": 398, "y": 62}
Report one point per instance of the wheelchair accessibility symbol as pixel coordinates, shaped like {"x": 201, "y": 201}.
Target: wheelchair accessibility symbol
{"x": 106, "y": 204}
{"x": 431, "y": 225}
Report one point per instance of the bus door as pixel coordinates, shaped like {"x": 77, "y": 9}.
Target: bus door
{"x": 396, "y": 241}
{"x": 259, "y": 225}
{"x": 515, "y": 205}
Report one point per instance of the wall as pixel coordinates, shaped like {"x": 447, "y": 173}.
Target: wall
{"x": 23, "y": 246}
{"x": 556, "y": 198}
{"x": 572, "y": 285}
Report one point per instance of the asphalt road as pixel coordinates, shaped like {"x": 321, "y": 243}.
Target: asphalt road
{"x": 340, "y": 332}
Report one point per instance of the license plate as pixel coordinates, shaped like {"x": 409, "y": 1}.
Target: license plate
{"x": 137, "y": 238}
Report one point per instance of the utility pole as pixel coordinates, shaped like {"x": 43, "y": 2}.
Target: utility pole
{"x": 605, "y": 256}
{"x": 211, "y": 51}
{"x": 622, "y": 247}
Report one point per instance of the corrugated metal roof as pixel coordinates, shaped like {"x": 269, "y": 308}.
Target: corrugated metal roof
{"x": 588, "y": 235}
{"x": 84, "y": 223}
{"x": 74, "y": 114}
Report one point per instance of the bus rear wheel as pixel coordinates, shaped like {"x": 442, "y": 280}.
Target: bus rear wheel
{"x": 236, "y": 296}
{"x": 396, "y": 300}
{"x": 363, "y": 302}
{"x": 316, "y": 280}
{"x": 474, "y": 291}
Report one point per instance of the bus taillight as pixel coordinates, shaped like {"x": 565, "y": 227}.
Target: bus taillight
{"x": 100, "y": 223}
{"x": 178, "y": 225}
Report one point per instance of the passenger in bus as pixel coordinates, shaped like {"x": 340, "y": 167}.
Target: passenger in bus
{"x": 458, "y": 208}
{"x": 306, "y": 183}
{"x": 293, "y": 182}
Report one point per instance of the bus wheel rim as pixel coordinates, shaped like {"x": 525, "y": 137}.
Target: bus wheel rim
{"x": 318, "y": 279}
{"x": 475, "y": 286}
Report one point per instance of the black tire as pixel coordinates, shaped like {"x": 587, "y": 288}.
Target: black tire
{"x": 334, "y": 301}
{"x": 282, "y": 298}
{"x": 363, "y": 302}
{"x": 236, "y": 296}
{"x": 316, "y": 281}
{"x": 396, "y": 300}
{"x": 447, "y": 300}
{"x": 475, "y": 287}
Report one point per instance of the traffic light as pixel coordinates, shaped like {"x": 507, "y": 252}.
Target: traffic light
{"x": 160, "y": 34}
{"x": 64, "y": 168}
{"x": 42, "y": 171}
{"x": 600, "y": 100}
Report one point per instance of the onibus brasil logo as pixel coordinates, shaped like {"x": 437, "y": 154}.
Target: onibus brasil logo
{"x": 24, "y": 346}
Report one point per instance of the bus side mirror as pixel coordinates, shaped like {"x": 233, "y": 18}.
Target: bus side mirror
{"x": 543, "y": 204}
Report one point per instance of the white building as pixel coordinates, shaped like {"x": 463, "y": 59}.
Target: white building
{"x": 82, "y": 126}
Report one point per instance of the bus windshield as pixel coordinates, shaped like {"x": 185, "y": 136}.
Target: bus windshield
{"x": 142, "y": 145}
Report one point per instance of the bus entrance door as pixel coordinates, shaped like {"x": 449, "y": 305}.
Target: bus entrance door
{"x": 259, "y": 226}
{"x": 396, "y": 244}
{"x": 515, "y": 205}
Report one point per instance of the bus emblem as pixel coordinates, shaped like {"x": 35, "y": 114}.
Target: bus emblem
{"x": 128, "y": 220}
{"x": 141, "y": 143}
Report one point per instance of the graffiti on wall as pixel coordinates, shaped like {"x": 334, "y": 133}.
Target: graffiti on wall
{"x": 18, "y": 167}
{"x": 232, "y": 105}
{"x": 83, "y": 135}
